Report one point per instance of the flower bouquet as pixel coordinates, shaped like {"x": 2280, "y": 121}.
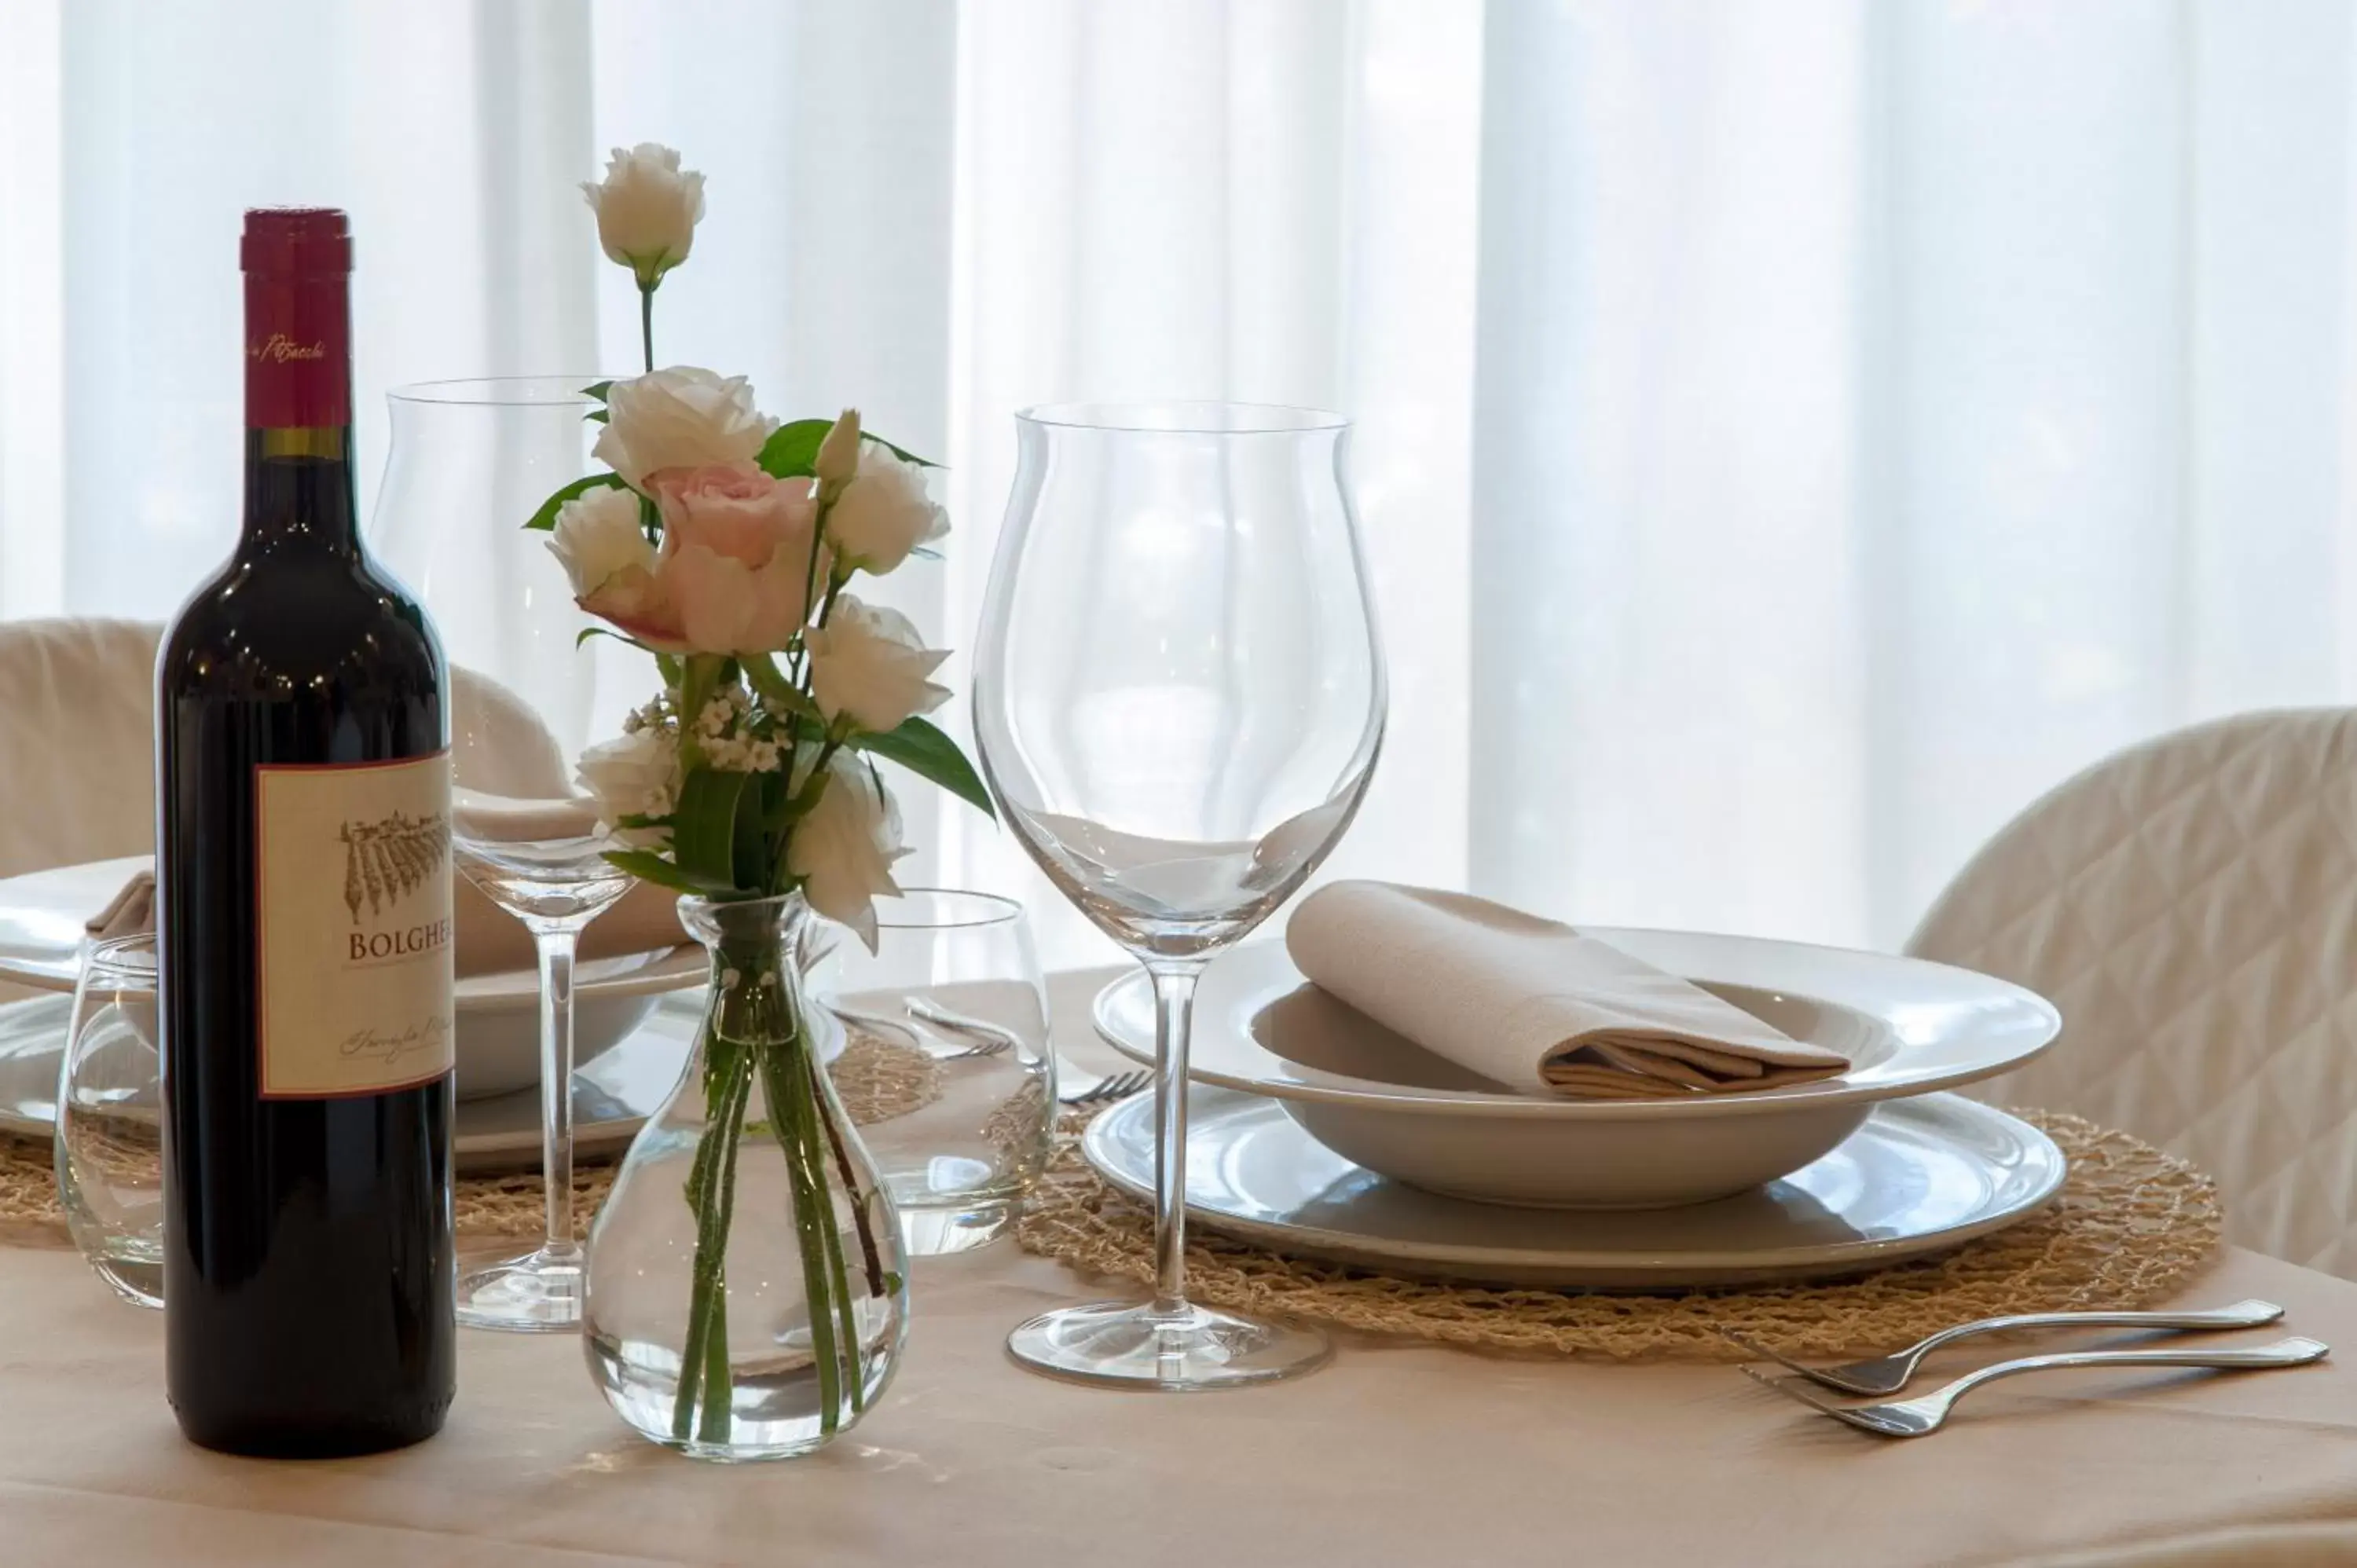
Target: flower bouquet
{"x": 742, "y": 1304}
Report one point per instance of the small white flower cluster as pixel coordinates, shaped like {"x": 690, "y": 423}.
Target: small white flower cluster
{"x": 737, "y": 735}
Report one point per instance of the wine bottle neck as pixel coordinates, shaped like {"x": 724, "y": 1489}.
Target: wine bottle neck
{"x": 300, "y": 488}
{"x": 298, "y": 382}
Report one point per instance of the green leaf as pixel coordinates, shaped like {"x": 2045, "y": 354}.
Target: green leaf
{"x": 598, "y": 390}
{"x": 791, "y": 450}
{"x": 545, "y": 517}
{"x": 587, "y": 632}
{"x": 703, "y": 825}
{"x": 904, "y": 453}
{"x": 597, "y": 416}
{"x": 922, "y": 749}
{"x": 763, "y": 801}
{"x": 699, "y": 678}
{"x": 648, "y": 866}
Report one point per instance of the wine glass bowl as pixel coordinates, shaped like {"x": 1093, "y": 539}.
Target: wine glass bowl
{"x": 471, "y": 461}
{"x": 108, "y": 1144}
{"x": 468, "y": 463}
{"x": 1179, "y": 701}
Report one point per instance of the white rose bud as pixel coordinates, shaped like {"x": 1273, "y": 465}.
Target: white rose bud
{"x": 647, "y": 210}
{"x": 844, "y": 849}
{"x": 597, "y": 538}
{"x": 680, "y": 418}
{"x": 871, "y": 664}
{"x": 635, "y": 775}
{"x": 838, "y": 454}
{"x": 883, "y": 513}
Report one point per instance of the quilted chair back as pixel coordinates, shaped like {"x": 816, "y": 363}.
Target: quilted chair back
{"x": 77, "y": 741}
{"x": 76, "y": 703}
{"x": 2191, "y": 905}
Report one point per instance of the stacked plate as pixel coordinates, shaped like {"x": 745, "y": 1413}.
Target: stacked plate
{"x": 634, "y": 1016}
{"x": 1316, "y": 1131}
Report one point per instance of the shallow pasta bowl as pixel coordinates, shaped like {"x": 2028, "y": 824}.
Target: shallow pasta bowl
{"x": 1908, "y": 1027}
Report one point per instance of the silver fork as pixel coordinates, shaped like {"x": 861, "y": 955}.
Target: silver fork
{"x": 1925, "y": 1415}
{"x": 989, "y": 1040}
{"x": 1112, "y": 1086}
{"x": 993, "y": 1038}
{"x": 1888, "y": 1374}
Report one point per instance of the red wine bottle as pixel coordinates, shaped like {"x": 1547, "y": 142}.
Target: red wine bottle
{"x": 302, "y": 863}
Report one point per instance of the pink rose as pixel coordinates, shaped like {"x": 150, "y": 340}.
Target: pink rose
{"x": 733, "y": 575}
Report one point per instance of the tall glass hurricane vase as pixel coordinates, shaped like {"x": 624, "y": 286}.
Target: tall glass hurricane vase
{"x": 1179, "y": 699}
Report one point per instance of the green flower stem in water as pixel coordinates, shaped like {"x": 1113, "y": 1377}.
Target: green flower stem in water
{"x": 717, "y": 1403}
{"x": 727, "y": 1078}
{"x": 753, "y": 1032}
{"x": 814, "y": 1224}
{"x": 804, "y": 1076}
{"x": 870, "y": 1259}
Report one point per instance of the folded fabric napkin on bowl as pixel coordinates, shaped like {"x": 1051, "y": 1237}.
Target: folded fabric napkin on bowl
{"x": 486, "y": 938}
{"x": 1534, "y": 1004}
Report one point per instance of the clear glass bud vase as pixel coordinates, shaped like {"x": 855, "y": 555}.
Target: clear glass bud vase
{"x": 747, "y": 1293}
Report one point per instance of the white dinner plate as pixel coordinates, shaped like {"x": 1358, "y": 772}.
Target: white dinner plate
{"x": 1919, "y": 1176}
{"x": 41, "y": 927}
{"x": 1908, "y": 1027}
{"x": 612, "y": 1095}
{"x": 42, "y": 915}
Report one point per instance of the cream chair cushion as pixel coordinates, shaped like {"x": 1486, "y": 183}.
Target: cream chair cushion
{"x": 77, "y": 734}
{"x": 77, "y": 701}
{"x": 2191, "y": 905}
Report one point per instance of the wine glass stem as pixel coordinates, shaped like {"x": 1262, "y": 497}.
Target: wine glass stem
{"x": 1174, "y": 1012}
{"x": 557, "y": 948}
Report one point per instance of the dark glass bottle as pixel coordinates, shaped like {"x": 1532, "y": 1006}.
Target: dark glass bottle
{"x": 302, "y": 858}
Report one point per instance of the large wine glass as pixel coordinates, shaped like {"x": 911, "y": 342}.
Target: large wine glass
{"x": 1178, "y": 697}
{"x": 470, "y": 461}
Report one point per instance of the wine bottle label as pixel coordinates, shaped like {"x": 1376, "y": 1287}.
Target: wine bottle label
{"x": 352, "y": 879}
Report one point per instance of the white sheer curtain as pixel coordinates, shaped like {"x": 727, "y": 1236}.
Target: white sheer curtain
{"x": 1790, "y": 437}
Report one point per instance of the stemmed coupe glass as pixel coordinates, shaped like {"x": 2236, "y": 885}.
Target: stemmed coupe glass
{"x": 1178, "y": 698}
{"x": 470, "y": 462}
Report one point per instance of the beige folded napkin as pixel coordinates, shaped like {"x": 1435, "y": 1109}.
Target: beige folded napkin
{"x": 486, "y": 938}
{"x": 1532, "y": 1004}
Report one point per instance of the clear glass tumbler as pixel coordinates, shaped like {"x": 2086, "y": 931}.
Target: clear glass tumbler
{"x": 109, "y": 1143}
{"x": 945, "y": 1067}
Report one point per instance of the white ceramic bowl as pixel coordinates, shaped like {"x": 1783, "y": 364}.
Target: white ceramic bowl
{"x": 1908, "y": 1027}
{"x": 498, "y": 1042}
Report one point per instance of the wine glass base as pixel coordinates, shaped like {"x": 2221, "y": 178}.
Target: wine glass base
{"x": 538, "y": 1294}
{"x": 1125, "y": 1345}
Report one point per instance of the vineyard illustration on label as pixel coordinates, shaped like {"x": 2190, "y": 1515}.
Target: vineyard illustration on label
{"x": 387, "y": 860}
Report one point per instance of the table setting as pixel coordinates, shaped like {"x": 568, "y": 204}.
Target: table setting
{"x": 790, "y": 1210}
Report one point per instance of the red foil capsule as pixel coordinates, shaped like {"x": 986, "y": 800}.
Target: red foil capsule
{"x": 298, "y": 265}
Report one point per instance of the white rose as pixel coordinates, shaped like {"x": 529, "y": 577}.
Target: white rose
{"x": 844, "y": 849}
{"x": 838, "y": 454}
{"x": 680, "y": 418}
{"x": 883, "y": 513}
{"x": 871, "y": 663}
{"x": 597, "y": 538}
{"x": 647, "y": 210}
{"x": 633, "y": 775}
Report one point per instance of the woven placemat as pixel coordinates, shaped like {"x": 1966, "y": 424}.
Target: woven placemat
{"x": 2131, "y": 1225}
{"x": 876, "y": 1077}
